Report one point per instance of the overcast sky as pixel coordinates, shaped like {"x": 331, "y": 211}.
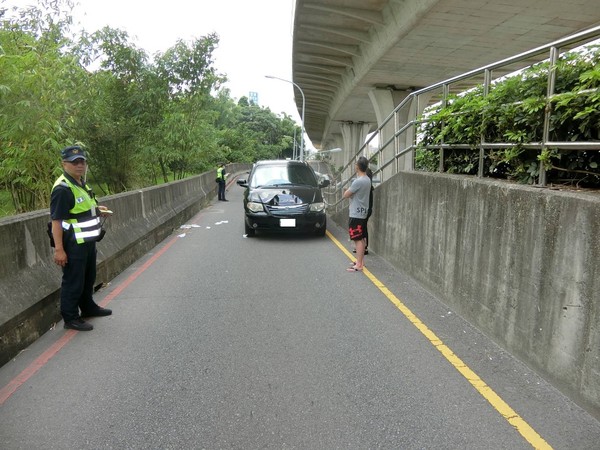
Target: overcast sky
{"x": 255, "y": 37}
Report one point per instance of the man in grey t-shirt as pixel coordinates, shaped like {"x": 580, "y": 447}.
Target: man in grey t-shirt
{"x": 358, "y": 193}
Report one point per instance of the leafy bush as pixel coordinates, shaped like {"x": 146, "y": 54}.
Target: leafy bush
{"x": 513, "y": 112}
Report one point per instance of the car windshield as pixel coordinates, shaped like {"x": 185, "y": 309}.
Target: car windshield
{"x": 278, "y": 175}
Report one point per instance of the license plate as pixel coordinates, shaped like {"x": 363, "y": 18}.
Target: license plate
{"x": 287, "y": 223}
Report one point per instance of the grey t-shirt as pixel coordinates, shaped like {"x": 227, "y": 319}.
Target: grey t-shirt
{"x": 359, "y": 202}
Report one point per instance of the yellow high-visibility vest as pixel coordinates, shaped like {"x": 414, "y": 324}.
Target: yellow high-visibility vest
{"x": 84, "y": 221}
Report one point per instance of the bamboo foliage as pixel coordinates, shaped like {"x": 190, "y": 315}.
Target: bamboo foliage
{"x": 142, "y": 120}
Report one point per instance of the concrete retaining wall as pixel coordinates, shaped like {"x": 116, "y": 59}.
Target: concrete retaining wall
{"x": 30, "y": 280}
{"x": 520, "y": 263}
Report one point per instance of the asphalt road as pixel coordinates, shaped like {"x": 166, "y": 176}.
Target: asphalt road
{"x": 220, "y": 341}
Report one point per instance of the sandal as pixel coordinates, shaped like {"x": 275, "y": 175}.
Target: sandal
{"x": 353, "y": 269}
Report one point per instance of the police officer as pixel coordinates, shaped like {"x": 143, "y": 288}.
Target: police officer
{"x": 76, "y": 228}
{"x": 221, "y": 177}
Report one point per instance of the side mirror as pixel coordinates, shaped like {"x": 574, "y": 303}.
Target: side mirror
{"x": 324, "y": 182}
{"x": 242, "y": 183}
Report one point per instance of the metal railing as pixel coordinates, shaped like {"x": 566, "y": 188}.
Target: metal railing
{"x": 403, "y": 141}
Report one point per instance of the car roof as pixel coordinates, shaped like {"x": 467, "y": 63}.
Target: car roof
{"x": 278, "y": 162}
{"x": 281, "y": 163}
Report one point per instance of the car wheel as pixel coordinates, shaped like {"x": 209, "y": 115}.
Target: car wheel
{"x": 249, "y": 230}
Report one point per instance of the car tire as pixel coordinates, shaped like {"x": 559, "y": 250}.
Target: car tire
{"x": 249, "y": 230}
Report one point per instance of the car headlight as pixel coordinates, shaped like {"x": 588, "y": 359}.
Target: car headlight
{"x": 317, "y": 207}
{"x": 255, "y": 207}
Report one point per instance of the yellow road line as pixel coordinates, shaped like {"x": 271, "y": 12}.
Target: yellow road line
{"x": 494, "y": 399}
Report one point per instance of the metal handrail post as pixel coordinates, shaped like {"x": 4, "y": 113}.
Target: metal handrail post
{"x": 487, "y": 80}
{"x": 548, "y": 110}
{"x": 446, "y": 93}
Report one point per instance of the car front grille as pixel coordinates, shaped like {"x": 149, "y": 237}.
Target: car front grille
{"x": 289, "y": 210}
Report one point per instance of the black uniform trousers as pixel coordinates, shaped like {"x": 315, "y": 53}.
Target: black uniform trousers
{"x": 79, "y": 276}
{"x": 221, "y": 189}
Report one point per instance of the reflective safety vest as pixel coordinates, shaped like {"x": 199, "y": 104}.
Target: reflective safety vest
{"x": 220, "y": 176}
{"x": 83, "y": 219}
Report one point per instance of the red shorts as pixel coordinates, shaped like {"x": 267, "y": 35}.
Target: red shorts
{"x": 357, "y": 229}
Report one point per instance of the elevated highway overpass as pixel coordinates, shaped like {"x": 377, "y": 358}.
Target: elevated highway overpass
{"x": 356, "y": 60}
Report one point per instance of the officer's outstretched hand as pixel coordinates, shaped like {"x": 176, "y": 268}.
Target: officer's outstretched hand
{"x": 104, "y": 211}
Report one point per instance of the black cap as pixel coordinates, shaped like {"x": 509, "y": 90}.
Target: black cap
{"x": 72, "y": 153}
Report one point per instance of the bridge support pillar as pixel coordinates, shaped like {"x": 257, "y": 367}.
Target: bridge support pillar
{"x": 384, "y": 102}
{"x": 336, "y": 159}
{"x": 354, "y": 135}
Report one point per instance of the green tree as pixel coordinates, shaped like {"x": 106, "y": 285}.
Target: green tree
{"x": 141, "y": 121}
{"x": 110, "y": 123}
{"x": 38, "y": 99}
{"x": 181, "y": 140}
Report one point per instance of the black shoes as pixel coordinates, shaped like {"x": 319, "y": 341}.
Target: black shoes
{"x": 100, "y": 312}
{"x": 79, "y": 325}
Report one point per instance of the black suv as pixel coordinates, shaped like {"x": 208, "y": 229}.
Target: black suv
{"x": 283, "y": 195}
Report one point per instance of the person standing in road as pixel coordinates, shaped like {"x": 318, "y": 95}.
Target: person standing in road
{"x": 370, "y": 211}
{"x": 370, "y": 175}
{"x": 358, "y": 193}
{"x": 221, "y": 177}
{"x": 75, "y": 229}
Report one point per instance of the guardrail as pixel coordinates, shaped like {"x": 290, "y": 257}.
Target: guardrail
{"x": 404, "y": 139}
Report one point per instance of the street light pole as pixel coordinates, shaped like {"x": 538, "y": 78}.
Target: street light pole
{"x": 303, "y": 104}
{"x": 295, "y": 144}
